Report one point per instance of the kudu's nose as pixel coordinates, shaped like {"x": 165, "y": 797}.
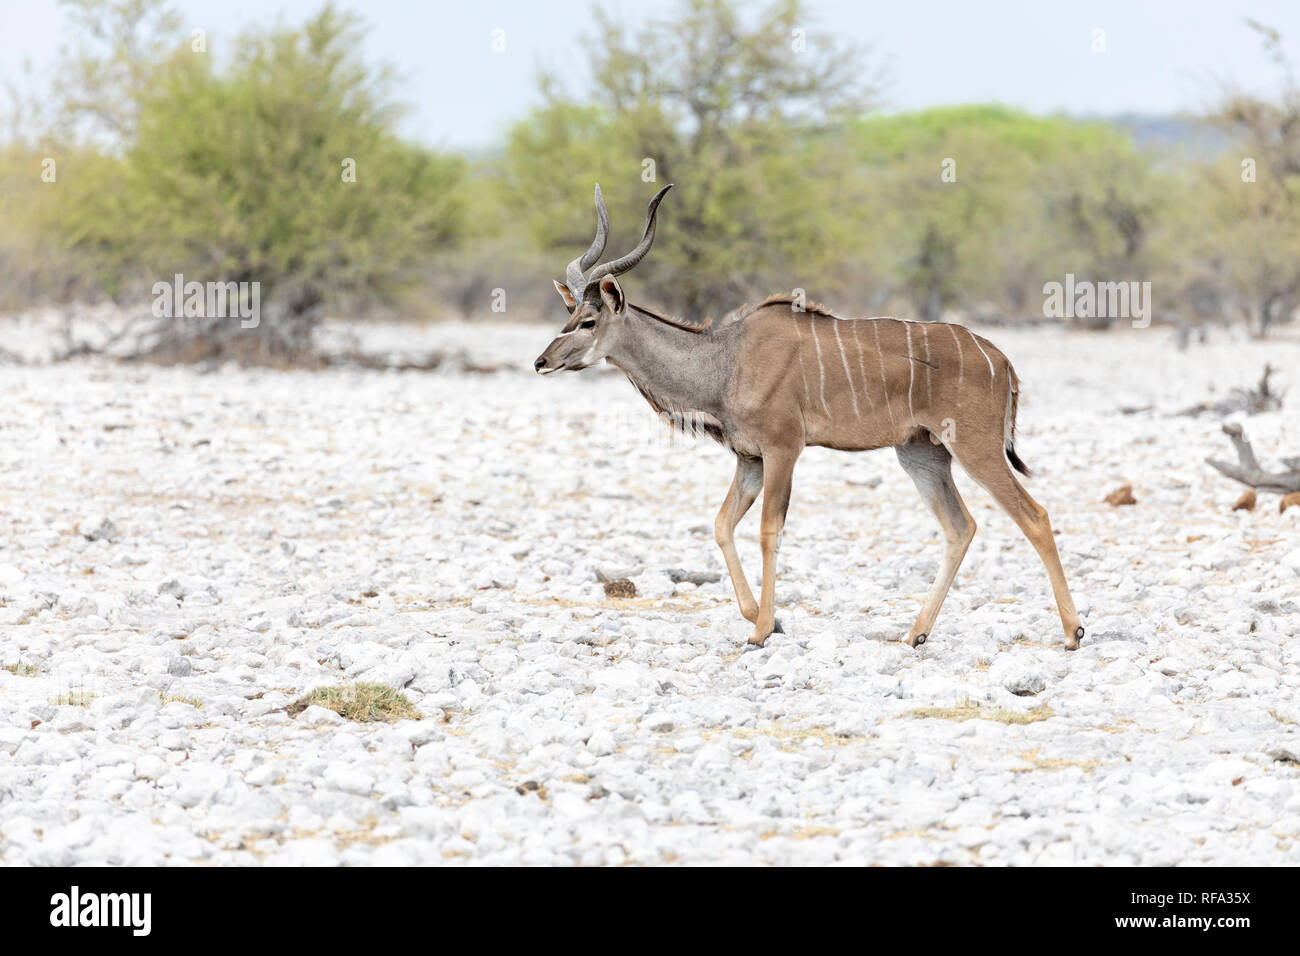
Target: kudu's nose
{"x": 539, "y": 364}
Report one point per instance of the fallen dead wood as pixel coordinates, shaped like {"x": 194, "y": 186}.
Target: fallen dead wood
{"x": 680, "y": 576}
{"x": 1248, "y": 471}
{"x": 1252, "y": 401}
{"x": 676, "y": 575}
{"x": 358, "y": 359}
{"x": 197, "y": 350}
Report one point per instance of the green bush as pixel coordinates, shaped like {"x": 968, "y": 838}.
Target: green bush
{"x": 281, "y": 167}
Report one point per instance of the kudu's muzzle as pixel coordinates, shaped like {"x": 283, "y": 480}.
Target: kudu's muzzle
{"x": 559, "y": 356}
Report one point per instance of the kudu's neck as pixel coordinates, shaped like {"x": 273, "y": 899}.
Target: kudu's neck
{"x": 676, "y": 369}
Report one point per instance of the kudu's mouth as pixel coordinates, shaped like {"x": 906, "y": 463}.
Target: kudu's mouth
{"x": 545, "y": 365}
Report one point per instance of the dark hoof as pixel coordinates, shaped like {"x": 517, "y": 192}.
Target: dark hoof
{"x": 1072, "y": 644}
{"x": 750, "y": 646}
{"x": 920, "y": 639}
{"x": 778, "y": 629}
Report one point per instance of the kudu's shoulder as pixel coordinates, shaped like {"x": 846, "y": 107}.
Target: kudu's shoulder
{"x": 775, "y": 306}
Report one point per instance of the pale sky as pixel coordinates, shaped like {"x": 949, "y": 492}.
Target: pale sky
{"x": 1161, "y": 56}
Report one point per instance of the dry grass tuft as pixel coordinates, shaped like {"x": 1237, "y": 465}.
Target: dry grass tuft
{"x": 620, "y": 588}
{"x": 166, "y": 699}
{"x": 969, "y": 711}
{"x": 1054, "y": 763}
{"x": 75, "y": 698}
{"x": 790, "y": 738}
{"x": 363, "y": 702}
{"x": 1118, "y": 726}
{"x": 678, "y": 604}
{"x": 801, "y": 833}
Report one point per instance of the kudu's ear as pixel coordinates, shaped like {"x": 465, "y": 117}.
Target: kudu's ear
{"x": 612, "y": 293}
{"x": 565, "y": 294}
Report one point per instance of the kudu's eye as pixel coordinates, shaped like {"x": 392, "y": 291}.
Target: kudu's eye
{"x": 589, "y": 324}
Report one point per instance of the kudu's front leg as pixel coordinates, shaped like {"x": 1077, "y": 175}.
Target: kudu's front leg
{"x": 778, "y": 473}
{"x": 745, "y": 487}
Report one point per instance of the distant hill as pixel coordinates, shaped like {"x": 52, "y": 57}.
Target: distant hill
{"x": 1191, "y": 134}
{"x": 1156, "y": 131}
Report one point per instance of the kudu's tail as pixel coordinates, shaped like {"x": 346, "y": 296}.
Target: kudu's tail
{"x": 1009, "y": 426}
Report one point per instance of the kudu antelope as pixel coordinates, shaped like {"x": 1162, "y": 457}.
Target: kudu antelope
{"x": 780, "y": 378}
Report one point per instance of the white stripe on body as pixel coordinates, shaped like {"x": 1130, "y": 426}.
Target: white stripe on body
{"x": 911, "y": 370}
{"x": 799, "y": 356}
{"x": 862, "y": 368}
{"x": 853, "y": 392}
{"x": 820, "y": 365}
{"x": 992, "y": 374}
{"x": 961, "y": 363}
{"x": 875, "y": 329}
{"x": 929, "y": 372}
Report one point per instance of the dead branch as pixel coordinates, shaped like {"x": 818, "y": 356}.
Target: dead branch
{"x": 138, "y": 329}
{"x": 1247, "y": 469}
{"x": 1252, "y": 401}
{"x": 680, "y": 576}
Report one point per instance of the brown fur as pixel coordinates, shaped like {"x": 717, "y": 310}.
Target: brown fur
{"x": 933, "y": 391}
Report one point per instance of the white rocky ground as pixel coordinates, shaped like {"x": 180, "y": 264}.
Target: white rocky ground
{"x": 240, "y": 537}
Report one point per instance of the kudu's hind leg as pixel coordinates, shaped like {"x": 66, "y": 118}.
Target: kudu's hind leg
{"x": 745, "y": 487}
{"x": 778, "y": 472}
{"x": 994, "y": 473}
{"x": 930, "y": 468}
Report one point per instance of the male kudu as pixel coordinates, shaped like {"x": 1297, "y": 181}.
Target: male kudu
{"x": 781, "y": 377}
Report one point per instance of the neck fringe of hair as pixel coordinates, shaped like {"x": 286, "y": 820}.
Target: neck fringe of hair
{"x": 690, "y": 325}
